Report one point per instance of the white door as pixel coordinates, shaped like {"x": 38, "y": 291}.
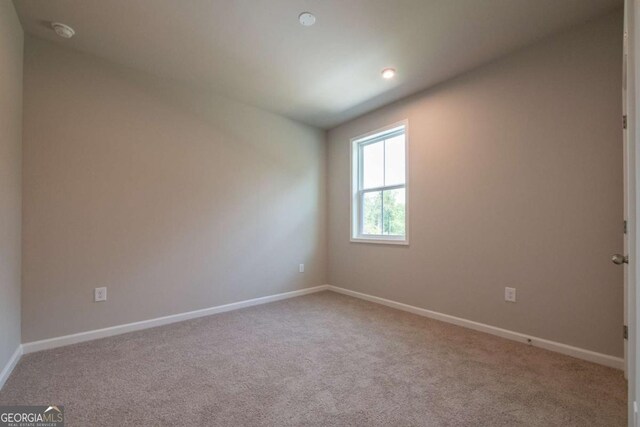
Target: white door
{"x": 631, "y": 298}
{"x": 627, "y": 168}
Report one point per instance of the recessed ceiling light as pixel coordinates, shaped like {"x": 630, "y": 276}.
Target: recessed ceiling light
{"x": 388, "y": 73}
{"x": 62, "y": 30}
{"x": 307, "y": 19}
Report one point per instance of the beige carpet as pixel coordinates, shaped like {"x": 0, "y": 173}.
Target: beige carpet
{"x": 321, "y": 360}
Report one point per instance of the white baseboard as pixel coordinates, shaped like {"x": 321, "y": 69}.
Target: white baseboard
{"x": 13, "y": 361}
{"x": 580, "y": 353}
{"x": 46, "y": 344}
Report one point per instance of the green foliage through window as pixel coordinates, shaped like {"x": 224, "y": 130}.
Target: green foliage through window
{"x": 384, "y": 212}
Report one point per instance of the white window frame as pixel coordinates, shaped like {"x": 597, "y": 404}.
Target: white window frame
{"x": 355, "y": 147}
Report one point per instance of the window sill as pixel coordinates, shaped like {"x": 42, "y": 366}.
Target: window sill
{"x": 396, "y": 242}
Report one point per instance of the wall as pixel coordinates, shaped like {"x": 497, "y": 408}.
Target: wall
{"x": 11, "y": 44}
{"x": 515, "y": 180}
{"x": 175, "y": 199}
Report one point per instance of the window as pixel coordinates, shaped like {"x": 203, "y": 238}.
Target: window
{"x": 379, "y": 186}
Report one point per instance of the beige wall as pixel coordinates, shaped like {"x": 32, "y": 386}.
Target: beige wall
{"x": 516, "y": 180}
{"x": 11, "y": 42}
{"x": 175, "y": 200}
{"x": 178, "y": 200}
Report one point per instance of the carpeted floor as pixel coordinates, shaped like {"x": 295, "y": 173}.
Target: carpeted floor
{"x": 322, "y": 360}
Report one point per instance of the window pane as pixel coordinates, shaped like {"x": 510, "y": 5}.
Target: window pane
{"x": 373, "y": 164}
{"x": 394, "y": 161}
{"x": 394, "y": 212}
{"x": 372, "y": 213}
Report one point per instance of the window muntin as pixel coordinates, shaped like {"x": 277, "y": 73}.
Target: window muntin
{"x": 379, "y": 182}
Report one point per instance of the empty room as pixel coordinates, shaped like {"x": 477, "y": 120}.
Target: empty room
{"x": 319, "y": 213}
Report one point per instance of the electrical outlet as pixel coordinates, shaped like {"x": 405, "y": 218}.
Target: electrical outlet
{"x": 510, "y": 294}
{"x": 301, "y": 268}
{"x": 100, "y": 294}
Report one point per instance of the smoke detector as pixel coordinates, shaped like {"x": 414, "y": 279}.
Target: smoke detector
{"x": 62, "y": 30}
{"x": 307, "y": 19}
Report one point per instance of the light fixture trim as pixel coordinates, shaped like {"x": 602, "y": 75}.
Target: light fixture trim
{"x": 388, "y": 73}
{"x": 307, "y": 19}
{"x": 63, "y": 30}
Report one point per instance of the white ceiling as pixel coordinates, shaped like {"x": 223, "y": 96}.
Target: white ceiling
{"x": 257, "y": 52}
